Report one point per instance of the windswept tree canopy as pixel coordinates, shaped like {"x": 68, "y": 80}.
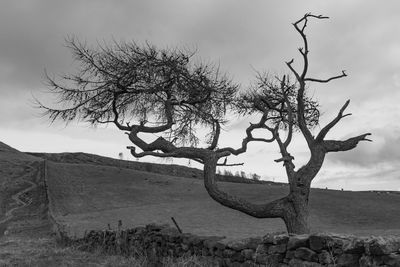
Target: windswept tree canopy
{"x": 276, "y": 98}
{"x": 161, "y": 90}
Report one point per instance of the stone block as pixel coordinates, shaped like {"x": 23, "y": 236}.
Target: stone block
{"x": 289, "y": 254}
{"x": 262, "y": 249}
{"x": 269, "y": 260}
{"x": 247, "y": 253}
{"x": 382, "y": 246}
{"x": 277, "y": 249}
{"x": 306, "y": 254}
{"x": 238, "y": 257}
{"x": 319, "y": 242}
{"x": 296, "y": 241}
{"x": 353, "y": 246}
{"x": 228, "y": 253}
{"x": 325, "y": 257}
{"x": 348, "y": 260}
{"x": 237, "y": 245}
{"x": 275, "y": 239}
{"x": 214, "y": 243}
{"x": 393, "y": 259}
{"x": 300, "y": 263}
{"x": 245, "y": 243}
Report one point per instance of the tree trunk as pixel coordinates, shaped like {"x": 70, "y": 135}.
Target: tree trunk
{"x": 296, "y": 215}
{"x": 293, "y": 209}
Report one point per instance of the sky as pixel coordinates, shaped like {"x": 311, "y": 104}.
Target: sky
{"x": 361, "y": 37}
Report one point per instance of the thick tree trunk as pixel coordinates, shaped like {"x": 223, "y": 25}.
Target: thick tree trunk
{"x": 296, "y": 215}
{"x": 293, "y": 209}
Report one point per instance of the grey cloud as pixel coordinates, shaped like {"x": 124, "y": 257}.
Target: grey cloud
{"x": 372, "y": 154}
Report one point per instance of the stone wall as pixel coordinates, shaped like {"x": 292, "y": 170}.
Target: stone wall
{"x": 157, "y": 241}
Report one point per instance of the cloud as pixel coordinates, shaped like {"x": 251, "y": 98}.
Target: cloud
{"x": 385, "y": 149}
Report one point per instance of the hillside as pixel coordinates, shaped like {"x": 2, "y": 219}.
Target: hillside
{"x": 166, "y": 169}
{"x": 88, "y": 196}
{"x": 90, "y": 192}
{"x": 22, "y": 194}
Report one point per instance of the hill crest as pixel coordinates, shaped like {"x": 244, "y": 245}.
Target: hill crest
{"x": 166, "y": 169}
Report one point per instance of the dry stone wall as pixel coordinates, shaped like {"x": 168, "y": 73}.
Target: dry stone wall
{"x": 157, "y": 241}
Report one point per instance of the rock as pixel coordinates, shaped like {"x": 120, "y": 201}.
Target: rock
{"x": 228, "y": 253}
{"x": 213, "y": 242}
{"x": 245, "y": 243}
{"x": 300, "y": 263}
{"x": 248, "y": 263}
{"x": 269, "y": 260}
{"x": 348, "y": 260}
{"x": 305, "y": 254}
{"x": 262, "y": 249}
{"x": 237, "y": 245}
{"x": 322, "y": 241}
{"x": 205, "y": 252}
{"x": 277, "y": 249}
{"x": 289, "y": 254}
{"x": 253, "y": 242}
{"x": 196, "y": 240}
{"x": 247, "y": 253}
{"x": 296, "y": 241}
{"x": 275, "y": 239}
{"x": 353, "y": 246}
{"x": 325, "y": 257}
{"x": 235, "y": 264}
{"x": 370, "y": 261}
{"x": 382, "y": 246}
{"x": 393, "y": 259}
{"x": 237, "y": 257}
{"x": 185, "y": 247}
{"x": 318, "y": 242}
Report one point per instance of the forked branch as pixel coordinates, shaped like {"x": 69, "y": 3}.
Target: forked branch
{"x": 330, "y": 125}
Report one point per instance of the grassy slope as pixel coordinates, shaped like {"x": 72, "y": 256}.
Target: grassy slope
{"x": 166, "y": 169}
{"x": 89, "y": 196}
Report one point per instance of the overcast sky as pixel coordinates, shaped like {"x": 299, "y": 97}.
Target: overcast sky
{"x": 361, "y": 37}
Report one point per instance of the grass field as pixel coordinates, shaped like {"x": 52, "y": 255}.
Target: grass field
{"x": 26, "y": 237}
{"x": 90, "y": 197}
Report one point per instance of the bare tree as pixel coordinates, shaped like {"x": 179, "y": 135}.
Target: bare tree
{"x": 285, "y": 106}
{"x": 147, "y": 91}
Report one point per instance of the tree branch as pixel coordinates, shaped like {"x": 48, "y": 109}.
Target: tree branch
{"x": 335, "y": 146}
{"x": 321, "y": 135}
{"x": 302, "y": 78}
{"x": 216, "y": 135}
{"x": 249, "y": 137}
{"x": 225, "y": 163}
{"x": 326, "y": 80}
{"x": 273, "y": 209}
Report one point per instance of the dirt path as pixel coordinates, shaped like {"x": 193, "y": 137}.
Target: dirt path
{"x": 20, "y": 198}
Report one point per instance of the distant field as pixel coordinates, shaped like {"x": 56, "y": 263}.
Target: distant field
{"x": 89, "y": 197}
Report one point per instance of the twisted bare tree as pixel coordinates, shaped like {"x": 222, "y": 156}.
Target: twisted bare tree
{"x": 285, "y": 106}
{"x": 145, "y": 91}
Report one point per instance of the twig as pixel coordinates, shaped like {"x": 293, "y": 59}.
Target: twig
{"x": 176, "y": 224}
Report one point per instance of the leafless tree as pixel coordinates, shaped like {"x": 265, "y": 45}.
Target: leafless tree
{"x": 145, "y": 91}
{"x": 285, "y": 105}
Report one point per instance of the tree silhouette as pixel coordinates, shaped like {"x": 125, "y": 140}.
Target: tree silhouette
{"x": 144, "y": 91}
